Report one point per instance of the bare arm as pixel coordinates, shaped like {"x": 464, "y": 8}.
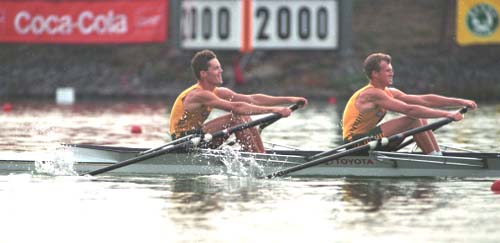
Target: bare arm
{"x": 205, "y": 98}
{"x": 258, "y": 99}
{"x": 379, "y": 98}
{"x": 432, "y": 100}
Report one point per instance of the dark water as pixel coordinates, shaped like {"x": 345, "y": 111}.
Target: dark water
{"x": 47, "y": 208}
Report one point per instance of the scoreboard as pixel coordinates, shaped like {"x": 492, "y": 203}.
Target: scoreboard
{"x": 259, "y": 24}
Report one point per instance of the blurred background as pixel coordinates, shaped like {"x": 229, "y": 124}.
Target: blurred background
{"x": 142, "y": 48}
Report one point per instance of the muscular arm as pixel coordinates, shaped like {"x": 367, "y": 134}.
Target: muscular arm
{"x": 378, "y": 97}
{"x": 206, "y": 98}
{"x": 431, "y": 100}
{"x": 257, "y": 99}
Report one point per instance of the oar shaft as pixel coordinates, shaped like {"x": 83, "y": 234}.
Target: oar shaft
{"x": 174, "y": 142}
{"x": 319, "y": 161}
{"x": 376, "y": 144}
{"x": 293, "y": 108}
{"x": 267, "y": 119}
{"x": 133, "y": 160}
{"x": 329, "y": 152}
{"x": 409, "y": 141}
{"x": 188, "y": 142}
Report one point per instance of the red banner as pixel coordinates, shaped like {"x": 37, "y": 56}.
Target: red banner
{"x": 107, "y": 21}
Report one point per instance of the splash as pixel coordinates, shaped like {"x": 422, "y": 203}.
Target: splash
{"x": 239, "y": 165}
{"x": 60, "y": 161}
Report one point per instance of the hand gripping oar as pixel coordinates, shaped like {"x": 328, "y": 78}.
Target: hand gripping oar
{"x": 266, "y": 124}
{"x": 191, "y": 142}
{"x": 186, "y": 138}
{"x": 411, "y": 140}
{"x": 375, "y": 144}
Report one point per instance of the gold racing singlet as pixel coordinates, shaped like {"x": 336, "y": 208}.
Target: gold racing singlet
{"x": 181, "y": 120}
{"x": 355, "y": 122}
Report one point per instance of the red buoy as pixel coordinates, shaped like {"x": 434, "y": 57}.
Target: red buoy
{"x": 332, "y": 100}
{"x": 136, "y": 129}
{"x": 496, "y": 186}
{"x": 6, "y": 107}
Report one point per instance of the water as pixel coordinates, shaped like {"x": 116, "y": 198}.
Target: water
{"x": 37, "y": 207}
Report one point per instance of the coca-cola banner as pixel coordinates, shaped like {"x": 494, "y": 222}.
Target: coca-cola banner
{"x": 107, "y": 21}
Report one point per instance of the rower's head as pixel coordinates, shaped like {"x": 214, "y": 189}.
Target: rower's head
{"x": 207, "y": 68}
{"x": 373, "y": 61}
{"x": 200, "y": 61}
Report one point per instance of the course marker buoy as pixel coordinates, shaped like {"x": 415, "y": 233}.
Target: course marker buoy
{"x": 496, "y": 186}
{"x": 6, "y": 107}
{"x": 136, "y": 129}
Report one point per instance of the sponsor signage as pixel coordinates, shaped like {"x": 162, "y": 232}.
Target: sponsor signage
{"x": 259, "y": 24}
{"x": 83, "y": 21}
{"x": 478, "y": 22}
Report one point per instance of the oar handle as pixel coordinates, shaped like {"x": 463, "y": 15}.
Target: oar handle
{"x": 190, "y": 141}
{"x": 297, "y": 105}
{"x": 369, "y": 146}
{"x": 433, "y": 126}
{"x": 463, "y": 110}
{"x": 186, "y": 138}
{"x": 293, "y": 107}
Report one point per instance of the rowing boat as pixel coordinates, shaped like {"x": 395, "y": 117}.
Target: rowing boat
{"x": 198, "y": 161}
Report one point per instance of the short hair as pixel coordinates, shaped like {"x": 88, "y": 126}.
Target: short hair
{"x": 372, "y": 62}
{"x": 200, "y": 61}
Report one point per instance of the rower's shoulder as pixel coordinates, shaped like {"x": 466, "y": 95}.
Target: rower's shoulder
{"x": 224, "y": 92}
{"x": 198, "y": 96}
{"x": 371, "y": 92}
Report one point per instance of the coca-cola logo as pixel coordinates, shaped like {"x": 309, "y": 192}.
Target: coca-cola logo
{"x": 86, "y": 23}
{"x": 2, "y": 16}
{"x": 2, "y": 21}
{"x": 147, "y": 17}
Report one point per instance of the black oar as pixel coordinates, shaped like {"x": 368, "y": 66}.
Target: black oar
{"x": 174, "y": 142}
{"x": 375, "y": 144}
{"x": 184, "y": 145}
{"x": 332, "y": 151}
{"x": 266, "y": 124}
{"x": 192, "y": 142}
{"x": 411, "y": 140}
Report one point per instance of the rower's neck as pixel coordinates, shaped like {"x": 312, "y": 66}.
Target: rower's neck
{"x": 206, "y": 86}
{"x": 377, "y": 85}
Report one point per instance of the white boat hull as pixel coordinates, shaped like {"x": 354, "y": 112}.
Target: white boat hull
{"x": 87, "y": 158}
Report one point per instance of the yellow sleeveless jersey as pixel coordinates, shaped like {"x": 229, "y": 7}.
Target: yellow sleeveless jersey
{"x": 181, "y": 120}
{"x": 355, "y": 122}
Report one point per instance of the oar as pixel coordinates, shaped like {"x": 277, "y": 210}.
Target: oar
{"x": 266, "y": 124}
{"x": 185, "y": 138}
{"x": 192, "y": 142}
{"x": 184, "y": 145}
{"x": 332, "y": 151}
{"x": 411, "y": 140}
{"x": 174, "y": 142}
{"x": 375, "y": 144}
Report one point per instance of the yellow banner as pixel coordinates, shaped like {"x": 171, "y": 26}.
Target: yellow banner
{"x": 478, "y": 22}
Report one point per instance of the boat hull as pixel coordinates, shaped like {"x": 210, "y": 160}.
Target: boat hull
{"x": 87, "y": 158}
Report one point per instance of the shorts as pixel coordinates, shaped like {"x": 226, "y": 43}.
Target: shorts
{"x": 374, "y": 133}
{"x": 183, "y": 134}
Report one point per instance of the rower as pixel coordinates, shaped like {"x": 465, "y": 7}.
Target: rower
{"x": 367, "y": 107}
{"x": 193, "y": 106}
